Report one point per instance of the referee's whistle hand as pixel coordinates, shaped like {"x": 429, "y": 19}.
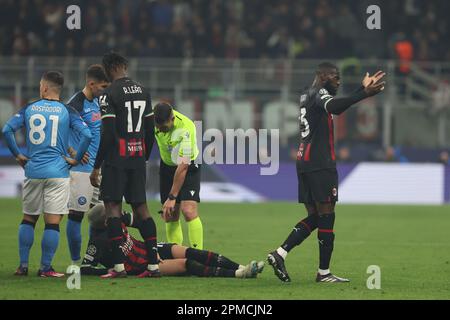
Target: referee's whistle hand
{"x": 168, "y": 208}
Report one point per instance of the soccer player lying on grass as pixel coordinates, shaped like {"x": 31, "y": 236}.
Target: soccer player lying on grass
{"x": 174, "y": 259}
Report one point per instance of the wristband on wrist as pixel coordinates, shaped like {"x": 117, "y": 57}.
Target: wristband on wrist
{"x": 172, "y": 197}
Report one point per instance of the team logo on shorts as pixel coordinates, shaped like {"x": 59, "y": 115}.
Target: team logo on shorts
{"x": 82, "y": 200}
{"x": 91, "y": 250}
{"x": 334, "y": 192}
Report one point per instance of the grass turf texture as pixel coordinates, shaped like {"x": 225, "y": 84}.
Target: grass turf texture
{"x": 409, "y": 243}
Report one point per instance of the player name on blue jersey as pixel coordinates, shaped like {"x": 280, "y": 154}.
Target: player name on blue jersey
{"x": 48, "y": 124}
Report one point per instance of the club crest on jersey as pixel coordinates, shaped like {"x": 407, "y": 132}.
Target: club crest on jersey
{"x": 323, "y": 91}
{"x": 82, "y": 200}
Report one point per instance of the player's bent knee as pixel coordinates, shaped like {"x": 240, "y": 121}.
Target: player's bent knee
{"x": 311, "y": 209}
{"x": 52, "y": 218}
{"x": 189, "y": 210}
{"x": 325, "y": 208}
{"x": 30, "y": 218}
{"x": 140, "y": 211}
{"x": 175, "y": 216}
{"x": 76, "y": 216}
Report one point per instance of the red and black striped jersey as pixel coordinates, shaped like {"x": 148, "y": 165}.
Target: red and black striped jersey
{"x": 316, "y": 149}
{"x": 128, "y": 103}
{"x": 99, "y": 254}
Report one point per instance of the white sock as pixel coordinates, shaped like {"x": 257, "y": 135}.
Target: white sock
{"x": 241, "y": 266}
{"x": 324, "y": 272}
{"x": 119, "y": 267}
{"x": 283, "y": 253}
{"x": 152, "y": 267}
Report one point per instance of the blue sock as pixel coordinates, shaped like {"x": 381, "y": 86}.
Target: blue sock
{"x": 26, "y": 239}
{"x": 49, "y": 244}
{"x": 73, "y": 231}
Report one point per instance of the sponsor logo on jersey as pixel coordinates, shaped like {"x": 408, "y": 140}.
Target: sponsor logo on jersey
{"x": 96, "y": 116}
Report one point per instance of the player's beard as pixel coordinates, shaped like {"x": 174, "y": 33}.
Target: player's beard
{"x": 330, "y": 88}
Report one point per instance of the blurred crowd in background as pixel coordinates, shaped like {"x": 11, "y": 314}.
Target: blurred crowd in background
{"x": 227, "y": 28}
{"x": 251, "y": 29}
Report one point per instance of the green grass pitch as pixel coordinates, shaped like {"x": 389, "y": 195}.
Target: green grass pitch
{"x": 409, "y": 243}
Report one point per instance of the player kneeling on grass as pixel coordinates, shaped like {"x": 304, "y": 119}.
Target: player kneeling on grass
{"x": 174, "y": 259}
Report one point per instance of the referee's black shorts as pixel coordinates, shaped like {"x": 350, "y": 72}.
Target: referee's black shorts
{"x": 318, "y": 186}
{"x": 118, "y": 183}
{"x": 190, "y": 191}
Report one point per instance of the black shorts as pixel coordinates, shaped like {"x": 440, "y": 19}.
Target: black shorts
{"x": 120, "y": 182}
{"x": 165, "y": 250}
{"x": 190, "y": 191}
{"x": 318, "y": 186}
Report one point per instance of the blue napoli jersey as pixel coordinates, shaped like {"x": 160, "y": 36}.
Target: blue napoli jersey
{"x": 48, "y": 124}
{"x": 89, "y": 111}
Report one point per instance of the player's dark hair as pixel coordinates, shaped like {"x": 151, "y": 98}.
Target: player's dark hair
{"x": 326, "y": 67}
{"x": 162, "y": 112}
{"x": 97, "y": 73}
{"x": 112, "y": 61}
{"x": 54, "y": 77}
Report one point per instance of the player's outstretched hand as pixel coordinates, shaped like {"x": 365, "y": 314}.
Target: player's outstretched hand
{"x": 372, "y": 84}
{"x": 22, "y": 160}
{"x": 95, "y": 178}
{"x": 368, "y": 79}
